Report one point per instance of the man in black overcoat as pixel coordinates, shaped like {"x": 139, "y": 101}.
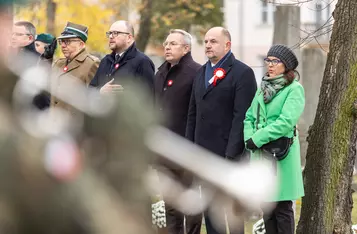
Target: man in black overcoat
{"x": 126, "y": 64}
{"x": 222, "y": 93}
{"x": 173, "y": 86}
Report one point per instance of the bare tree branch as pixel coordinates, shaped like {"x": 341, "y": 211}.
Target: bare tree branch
{"x": 290, "y": 3}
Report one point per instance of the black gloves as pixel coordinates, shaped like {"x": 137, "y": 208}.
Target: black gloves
{"x": 50, "y": 50}
{"x": 249, "y": 144}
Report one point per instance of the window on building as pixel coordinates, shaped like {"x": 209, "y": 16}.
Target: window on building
{"x": 264, "y": 12}
{"x": 318, "y": 14}
{"x": 267, "y": 11}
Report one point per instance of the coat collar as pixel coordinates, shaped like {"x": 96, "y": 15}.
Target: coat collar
{"x": 31, "y": 48}
{"x": 227, "y": 65}
{"x": 81, "y": 56}
{"x": 186, "y": 59}
{"x": 127, "y": 55}
{"x": 75, "y": 62}
{"x": 261, "y": 102}
{"x": 164, "y": 69}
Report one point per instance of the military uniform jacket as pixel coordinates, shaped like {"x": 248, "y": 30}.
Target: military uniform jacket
{"x": 82, "y": 67}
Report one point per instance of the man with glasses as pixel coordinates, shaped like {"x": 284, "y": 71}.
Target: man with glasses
{"x": 23, "y": 50}
{"x": 173, "y": 86}
{"x": 25, "y": 56}
{"x": 125, "y": 64}
{"x": 23, "y": 37}
{"x": 77, "y": 63}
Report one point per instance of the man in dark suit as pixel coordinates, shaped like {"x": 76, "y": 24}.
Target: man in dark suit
{"x": 126, "y": 64}
{"x": 221, "y": 95}
{"x": 173, "y": 86}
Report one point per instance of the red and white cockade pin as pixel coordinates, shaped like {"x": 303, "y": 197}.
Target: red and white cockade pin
{"x": 170, "y": 82}
{"x": 65, "y": 69}
{"x": 116, "y": 66}
{"x": 219, "y": 74}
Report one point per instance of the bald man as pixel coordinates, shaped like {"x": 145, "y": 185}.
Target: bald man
{"x": 126, "y": 64}
{"x": 222, "y": 93}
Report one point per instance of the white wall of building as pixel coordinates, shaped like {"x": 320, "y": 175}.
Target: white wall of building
{"x": 251, "y": 24}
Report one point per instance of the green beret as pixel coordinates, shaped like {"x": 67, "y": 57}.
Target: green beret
{"x": 45, "y": 38}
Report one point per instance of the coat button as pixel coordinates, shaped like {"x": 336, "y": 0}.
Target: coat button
{"x": 202, "y": 117}
{"x": 160, "y": 109}
{"x": 165, "y": 89}
{"x": 56, "y": 102}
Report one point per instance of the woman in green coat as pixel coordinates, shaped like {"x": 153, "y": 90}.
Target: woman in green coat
{"x": 280, "y": 101}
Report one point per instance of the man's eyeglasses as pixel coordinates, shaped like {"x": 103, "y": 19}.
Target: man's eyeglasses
{"x": 274, "y": 62}
{"x": 171, "y": 43}
{"x": 66, "y": 42}
{"x": 115, "y": 33}
{"x": 20, "y": 34}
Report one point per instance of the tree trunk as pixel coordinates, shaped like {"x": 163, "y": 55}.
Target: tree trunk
{"x": 145, "y": 25}
{"x": 287, "y": 23}
{"x": 327, "y": 205}
{"x": 51, "y": 14}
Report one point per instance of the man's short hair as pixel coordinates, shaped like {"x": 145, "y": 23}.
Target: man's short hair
{"x": 29, "y": 27}
{"x": 226, "y": 34}
{"x": 129, "y": 27}
{"x": 186, "y": 36}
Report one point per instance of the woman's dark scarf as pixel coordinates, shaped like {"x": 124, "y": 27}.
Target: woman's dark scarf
{"x": 271, "y": 86}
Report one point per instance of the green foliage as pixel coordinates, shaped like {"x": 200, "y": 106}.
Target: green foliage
{"x": 195, "y": 15}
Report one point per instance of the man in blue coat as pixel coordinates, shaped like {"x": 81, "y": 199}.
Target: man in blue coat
{"x": 125, "y": 64}
{"x": 222, "y": 93}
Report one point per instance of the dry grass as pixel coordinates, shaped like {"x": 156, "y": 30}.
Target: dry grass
{"x": 249, "y": 224}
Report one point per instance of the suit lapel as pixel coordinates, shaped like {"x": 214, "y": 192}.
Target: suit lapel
{"x": 162, "y": 77}
{"x": 261, "y": 103}
{"x": 59, "y": 66}
{"x": 125, "y": 57}
{"x": 76, "y": 61}
{"x": 227, "y": 65}
{"x": 72, "y": 65}
{"x": 201, "y": 86}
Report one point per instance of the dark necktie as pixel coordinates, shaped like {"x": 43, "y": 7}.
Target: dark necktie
{"x": 117, "y": 58}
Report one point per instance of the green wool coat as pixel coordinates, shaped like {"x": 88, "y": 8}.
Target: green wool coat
{"x": 277, "y": 119}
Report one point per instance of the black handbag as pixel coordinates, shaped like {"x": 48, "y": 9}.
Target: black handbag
{"x": 278, "y": 148}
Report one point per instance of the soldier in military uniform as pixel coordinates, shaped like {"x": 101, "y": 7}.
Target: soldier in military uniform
{"x": 78, "y": 63}
{"x": 105, "y": 196}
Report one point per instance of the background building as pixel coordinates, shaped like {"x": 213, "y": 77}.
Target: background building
{"x": 251, "y": 24}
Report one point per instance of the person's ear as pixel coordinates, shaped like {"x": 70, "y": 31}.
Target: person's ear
{"x": 130, "y": 37}
{"x": 228, "y": 45}
{"x": 187, "y": 49}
